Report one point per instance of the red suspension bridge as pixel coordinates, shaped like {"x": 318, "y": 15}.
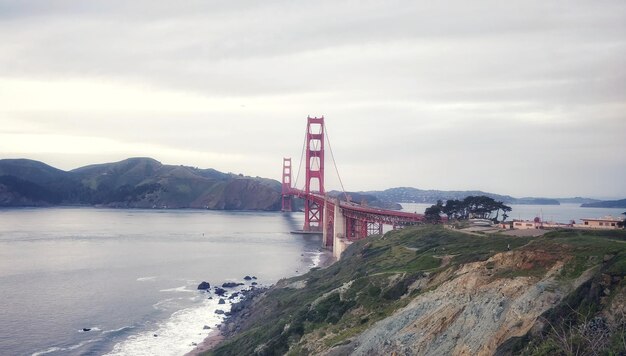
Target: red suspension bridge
{"x": 339, "y": 222}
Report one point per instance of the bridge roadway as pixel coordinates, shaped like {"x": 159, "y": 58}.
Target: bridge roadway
{"x": 360, "y": 212}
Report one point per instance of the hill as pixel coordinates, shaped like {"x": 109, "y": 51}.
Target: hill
{"x": 606, "y": 204}
{"x": 435, "y": 291}
{"x": 133, "y": 183}
{"x": 414, "y": 195}
{"x": 577, "y": 200}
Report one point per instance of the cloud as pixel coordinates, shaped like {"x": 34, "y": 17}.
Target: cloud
{"x": 407, "y": 87}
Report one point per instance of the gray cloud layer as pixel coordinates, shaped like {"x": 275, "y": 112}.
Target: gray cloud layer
{"x": 526, "y": 98}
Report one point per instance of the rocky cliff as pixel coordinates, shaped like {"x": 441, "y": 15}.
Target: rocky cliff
{"x": 134, "y": 183}
{"x": 433, "y": 291}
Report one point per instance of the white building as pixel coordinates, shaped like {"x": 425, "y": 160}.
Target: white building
{"x": 607, "y": 222}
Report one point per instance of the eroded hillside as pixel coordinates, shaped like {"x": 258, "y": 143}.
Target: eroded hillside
{"x": 432, "y": 291}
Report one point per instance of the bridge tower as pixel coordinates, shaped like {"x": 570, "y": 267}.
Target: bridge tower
{"x": 314, "y": 173}
{"x": 286, "y": 188}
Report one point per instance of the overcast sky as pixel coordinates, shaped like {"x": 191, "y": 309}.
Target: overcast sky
{"x": 526, "y": 98}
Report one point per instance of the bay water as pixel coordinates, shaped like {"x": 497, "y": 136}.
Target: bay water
{"x": 131, "y": 276}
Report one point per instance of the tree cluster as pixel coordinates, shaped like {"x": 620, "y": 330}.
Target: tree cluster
{"x": 482, "y": 207}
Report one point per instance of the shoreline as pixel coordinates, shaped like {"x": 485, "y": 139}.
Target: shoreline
{"x": 212, "y": 340}
{"x": 217, "y": 337}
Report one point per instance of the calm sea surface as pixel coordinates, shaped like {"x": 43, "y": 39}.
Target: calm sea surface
{"x": 129, "y": 275}
{"x": 563, "y": 213}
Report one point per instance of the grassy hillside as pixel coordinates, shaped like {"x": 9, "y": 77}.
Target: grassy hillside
{"x": 135, "y": 182}
{"x": 328, "y": 309}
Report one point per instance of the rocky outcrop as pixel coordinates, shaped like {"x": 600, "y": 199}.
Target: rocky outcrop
{"x": 470, "y": 314}
{"x": 231, "y": 284}
{"x": 204, "y": 286}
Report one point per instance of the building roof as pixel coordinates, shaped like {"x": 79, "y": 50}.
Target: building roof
{"x": 606, "y": 218}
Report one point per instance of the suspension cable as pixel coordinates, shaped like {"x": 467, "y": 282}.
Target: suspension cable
{"x": 295, "y": 185}
{"x": 334, "y": 162}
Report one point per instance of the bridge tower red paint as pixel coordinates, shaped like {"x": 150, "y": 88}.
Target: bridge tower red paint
{"x": 286, "y": 188}
{"x": 314, "y": 183}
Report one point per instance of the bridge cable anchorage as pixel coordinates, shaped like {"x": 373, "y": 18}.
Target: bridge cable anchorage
{"x": 295, "y": 184}
{"x": 335, "y": 164}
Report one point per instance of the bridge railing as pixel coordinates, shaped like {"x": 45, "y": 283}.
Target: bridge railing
{"x": 356, "y": 211}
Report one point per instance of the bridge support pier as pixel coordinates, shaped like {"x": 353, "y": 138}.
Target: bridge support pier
{"x": 286, "y": 198}
{"x": 314, "y": 173}
{"x": 325, "y": 239}
{"x": 340, "y": 242}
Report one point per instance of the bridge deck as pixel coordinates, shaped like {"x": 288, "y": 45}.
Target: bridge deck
{"x": 356, "y": 211}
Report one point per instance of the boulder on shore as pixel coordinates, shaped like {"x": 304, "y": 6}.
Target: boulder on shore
{"x": 204, "y": 285}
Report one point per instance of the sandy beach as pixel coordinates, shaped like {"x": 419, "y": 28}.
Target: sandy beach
{"x": 214, "y": 338}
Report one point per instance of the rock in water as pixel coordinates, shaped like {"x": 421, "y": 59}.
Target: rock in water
{"x": 231, "y": 284}
{"x": 219, "y": 291}
{"x": 204, "y": 285}
{"x": 222, "y": 301}
{"x": 206, "y": 327}
{"x": 219, "y": 312}
{"x": 86, "y": 329}
{"x": 247, "y": 278}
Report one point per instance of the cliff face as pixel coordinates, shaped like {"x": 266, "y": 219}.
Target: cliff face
{"x": 134, "y": 183}
{"x": 430, "y": 291}
{"x": 474, "y": 311}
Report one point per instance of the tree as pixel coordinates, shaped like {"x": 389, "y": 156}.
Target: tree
{"x": 432, "y": 214}
{"x": 452, "y": 209}
{"x": 474, "y": 206}
{"x": 505, "y": 209}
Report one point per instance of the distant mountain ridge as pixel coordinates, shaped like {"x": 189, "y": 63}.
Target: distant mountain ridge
{"x": 135, "y": 183}
{"x": 577, "y": 200}
{"x": 414, "y": 195}
{"x": 607, "y": 204}
{"x": 143, "y": 182}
